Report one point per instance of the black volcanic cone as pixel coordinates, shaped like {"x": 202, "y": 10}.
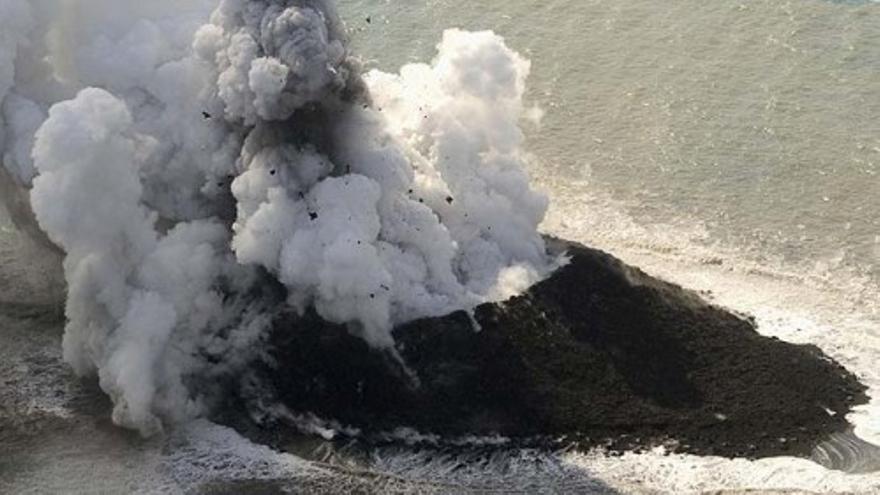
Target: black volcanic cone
{"x": 598, "y": 354}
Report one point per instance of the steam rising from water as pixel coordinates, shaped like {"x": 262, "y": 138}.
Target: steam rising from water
{"x": 187, "y": 167}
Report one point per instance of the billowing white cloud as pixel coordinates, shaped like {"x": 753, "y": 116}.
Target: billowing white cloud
{"x": 181, "y": 152}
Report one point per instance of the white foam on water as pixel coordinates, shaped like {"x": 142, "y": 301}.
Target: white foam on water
{"x": 59, "y": 448}
{"x": 832, "y": 307}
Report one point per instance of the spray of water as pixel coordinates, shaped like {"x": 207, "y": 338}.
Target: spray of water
{"x": 192, "y": 157}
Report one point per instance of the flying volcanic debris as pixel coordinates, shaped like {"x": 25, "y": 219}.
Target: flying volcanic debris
{"x": 192, "y": 171}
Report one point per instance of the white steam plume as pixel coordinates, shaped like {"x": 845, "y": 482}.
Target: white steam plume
{"x": 180, "y": 152}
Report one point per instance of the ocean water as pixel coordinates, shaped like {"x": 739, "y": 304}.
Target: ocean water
{"x": 755, "y": 122}
{"x": 732, "y": 147}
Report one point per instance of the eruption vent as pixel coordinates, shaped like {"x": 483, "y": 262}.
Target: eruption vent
{"x": 201, "y": 165}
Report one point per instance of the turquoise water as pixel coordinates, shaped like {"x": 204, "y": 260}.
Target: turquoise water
{"x": 755, "y": 122}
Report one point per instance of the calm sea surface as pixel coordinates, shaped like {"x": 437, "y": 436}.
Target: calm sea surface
{"x": 732, "y": 147}
{"x": 756, "y": 122}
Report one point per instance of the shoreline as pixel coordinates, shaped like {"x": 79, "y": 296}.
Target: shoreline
{"x": 598, "y": 355}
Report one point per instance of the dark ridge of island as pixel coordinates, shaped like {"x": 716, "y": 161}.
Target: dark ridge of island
{"x": 599, "y": 354}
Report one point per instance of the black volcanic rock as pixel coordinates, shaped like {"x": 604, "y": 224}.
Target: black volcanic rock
{"x": 598, "y": 354}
